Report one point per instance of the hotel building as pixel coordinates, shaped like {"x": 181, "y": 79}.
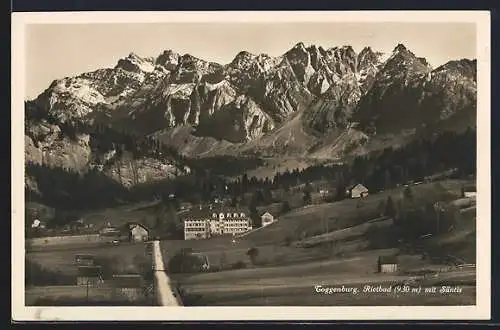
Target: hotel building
{"x": 205, "y": 223}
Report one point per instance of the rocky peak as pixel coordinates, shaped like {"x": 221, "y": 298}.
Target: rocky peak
{"x": 168, "y": 59}
{"x": 403, "y": 63}
{"x": 300, "y": 60}
{"x": 464, "y": 67}
{"x": 300, "y": 45}
{"x": 341, "y": 60}
{"x": 242, "y": 60}
{"x": 366, "y": 58}
{"x": 134, "y": 63}
{"x": 400, "y": 48}
{"x": 316, "y": 54}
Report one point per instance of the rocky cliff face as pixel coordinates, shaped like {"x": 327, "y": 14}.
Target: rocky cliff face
{"x": 249, "y": 104}
{"x": 407, "y": 93}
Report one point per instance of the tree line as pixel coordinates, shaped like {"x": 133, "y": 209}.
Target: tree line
{"x": 377, "y": 171}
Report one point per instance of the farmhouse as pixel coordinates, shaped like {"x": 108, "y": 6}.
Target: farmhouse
{"x": 128, "y": 286}
{"x": 137, "y": 232}
{"x": 267, "y": 218}
{"x": 89, "y": 275}
{"x": 469, "y": 191}
{"x": 387, "y": 264}
{"x": 84, "y": 259}
{"x": 356, "y": 191}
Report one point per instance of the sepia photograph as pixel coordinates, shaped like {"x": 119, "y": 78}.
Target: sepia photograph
{"x": 291, "y": 161}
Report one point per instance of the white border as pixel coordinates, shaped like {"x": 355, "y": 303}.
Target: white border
{"x": 480, "y": 311}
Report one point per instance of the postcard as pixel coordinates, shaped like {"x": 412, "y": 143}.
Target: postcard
{"x": 193, "y": 166}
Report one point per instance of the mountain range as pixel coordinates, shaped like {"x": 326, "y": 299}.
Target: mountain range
{"x": 309, "y": 102}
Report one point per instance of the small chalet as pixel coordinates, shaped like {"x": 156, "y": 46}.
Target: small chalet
{"x": 84, "y": 259}
{"x": 37, "y": 224}
{"x": 267, "y": 218}
{"x": 128, "y": 286}
{"x": 89, "y": 275}
{"x": 387, "y": 264}
{"x": 469, "y": 191}
{"x": 356, "y": 191}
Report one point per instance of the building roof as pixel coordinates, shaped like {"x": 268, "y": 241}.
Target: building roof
{"x": 89, "y": 271}
{"x": 388, "y": 259}
{"x": 138, "y": 225}
{"x": 207, "y": 212}
{"x": 127, "y": 281}
{"x": 352, "y": 186}
{"x": 470, "y": 188}
{"x": 84, "y": 256}
{"x": 109, "y": 229}
{"x": 266, "y": 213}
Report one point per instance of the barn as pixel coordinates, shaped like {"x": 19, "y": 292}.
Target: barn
{"x": 469, "y": 191}
{"x": 138, "y": 232}
{"x": 356, "y": 191}
{"x": 89, "y": 275}
{"x": 267, "y": 218}
{"x": 128, "y": 286}
{"x": 387, "y": 264}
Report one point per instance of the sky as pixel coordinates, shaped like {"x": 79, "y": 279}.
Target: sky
{"x": 55, "y": 51}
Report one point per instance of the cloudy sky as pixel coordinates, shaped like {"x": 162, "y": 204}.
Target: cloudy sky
{"x": 54, "y": 51}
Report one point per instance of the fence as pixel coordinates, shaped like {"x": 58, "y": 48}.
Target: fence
{"x": 61, "y": 240}
{"x": 347, "y": 232}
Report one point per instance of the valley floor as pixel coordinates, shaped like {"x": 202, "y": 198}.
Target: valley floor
{"x": 288, "y": 275}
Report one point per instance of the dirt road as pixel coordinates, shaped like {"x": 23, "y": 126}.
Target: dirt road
{"x": 163, "y": 286}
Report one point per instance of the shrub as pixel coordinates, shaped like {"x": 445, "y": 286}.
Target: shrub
{"x": 222, "y": 260}
{"x": 110, "y": 265}
{"x": 185, "y": 262}
{"x": 253, "y": 253}
{"x": 239, "y": 265}
{"x": 287, "y": 240}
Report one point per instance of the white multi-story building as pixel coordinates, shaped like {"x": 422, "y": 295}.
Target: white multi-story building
{"x": 212, "y": 222}
{"x": 196, "y": 229}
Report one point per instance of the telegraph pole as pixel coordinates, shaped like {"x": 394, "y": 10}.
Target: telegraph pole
{"x": 87, "y": 294}
{"x": 262, "y": 292}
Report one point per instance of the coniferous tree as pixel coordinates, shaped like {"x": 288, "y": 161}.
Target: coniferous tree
{"x": 390, "y": 208}
{"x": 285, "y": 207}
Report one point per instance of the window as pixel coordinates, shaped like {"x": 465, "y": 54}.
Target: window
{"x": 214, "y": 215}
{"x": 235, "y": 215}
{"x": 221, "y": 216}
{"x": 228, "y": 215}
{"x": 242, "y": 214}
